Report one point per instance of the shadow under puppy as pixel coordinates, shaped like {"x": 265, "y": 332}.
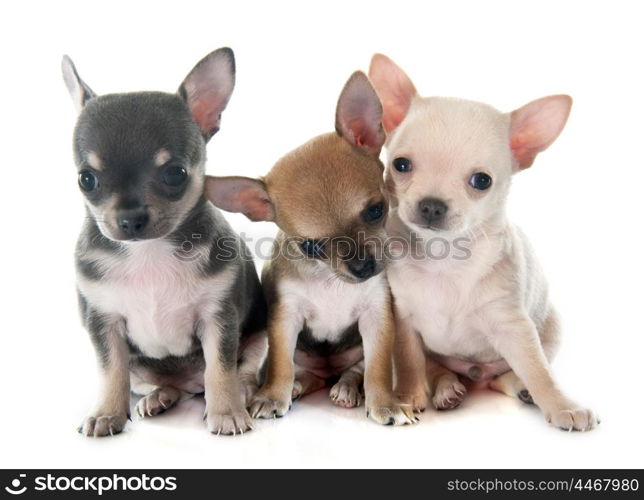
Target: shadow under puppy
{"x": 329, "y": 303}
{"x": 168, "y": 291}
{"x": 486, "y": 314}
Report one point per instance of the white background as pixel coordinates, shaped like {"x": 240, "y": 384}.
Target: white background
{"x": 580, "y": 203}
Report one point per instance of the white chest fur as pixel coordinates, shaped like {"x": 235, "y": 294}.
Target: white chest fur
{"x": 329, "y": 306}
{"x": 161, "y": 297}
{"x": 443, "y": 301}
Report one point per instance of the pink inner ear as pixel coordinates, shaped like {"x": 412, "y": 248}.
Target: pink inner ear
{"x": 395, "y": 89}
{"x": 536, "y": 125}
{"x": 206, "y": 111}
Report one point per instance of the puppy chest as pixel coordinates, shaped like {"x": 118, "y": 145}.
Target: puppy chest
{"x": 442, "y": 312}
{"x": 161, "y": 298}
{"x": 329, "y": 309}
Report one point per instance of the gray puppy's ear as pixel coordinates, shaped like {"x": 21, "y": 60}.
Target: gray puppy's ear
{"x": 207, "y": 89}
{"x": 242, "y": 195}
{"x": 78, "y": 89}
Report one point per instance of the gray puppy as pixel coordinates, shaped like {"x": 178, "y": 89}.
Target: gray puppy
{"x": 168, "y": 291}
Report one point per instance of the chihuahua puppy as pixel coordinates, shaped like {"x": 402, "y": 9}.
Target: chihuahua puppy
{"x": 329, "y": 303}
{"x": 168, "y": 292}
{"x": 483, "y": 314}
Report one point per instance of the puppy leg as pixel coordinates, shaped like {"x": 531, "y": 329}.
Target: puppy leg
{"x": 517, "y": 340}
{"x": 347, "y": 391}
{"x": 274, "y": 398}
{"x": 447, "y": 391}
{"x": 225, "y": 412}
{"x": 377, "y": 330}
{"x": 305, "y": 383}
{"x": 509, "y": 383}
{"x": 409, "y": 365}
{"x": 252, "y": 357}
{"x": 113, "y": 408}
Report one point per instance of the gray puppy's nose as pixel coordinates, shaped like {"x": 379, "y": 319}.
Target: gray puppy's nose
{"x": 133, "y": 222}
{"x": 432, "y": 210}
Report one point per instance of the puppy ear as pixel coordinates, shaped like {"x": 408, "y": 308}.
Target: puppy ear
{"x": 78, "y": 89}
{"x": 240, "y": 194}
{"x": 394, "y": 88}
{"x": 358, "y": 116}
{"x": 207, "y": 89}
{"x": 535, "y": 126}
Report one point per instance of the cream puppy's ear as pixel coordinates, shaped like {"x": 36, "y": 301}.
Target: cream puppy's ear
{"x": 358, "y": 116}
{"x": 535, "y": 126}
{"x": 240, "y": 194}
{"x": 394, "y": 87}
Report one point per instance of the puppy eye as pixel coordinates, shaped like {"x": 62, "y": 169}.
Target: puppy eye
{"x": 374, "y": 213}
{"x": 480, "y": 181}
{"x": 174, "y": 176}
{"x": 87, "y": 180}
{"x": 313, "y": 249}
{"x": 402, "y": 164}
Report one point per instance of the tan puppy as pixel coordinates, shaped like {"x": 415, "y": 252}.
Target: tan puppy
{"x": 330, "y": 309}
{"x": 467, "y": 288}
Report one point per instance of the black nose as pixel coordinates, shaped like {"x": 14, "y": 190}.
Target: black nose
{"x": 133, "y": 222}
{"x": 363, "y": 268}
{"x": 432, "y": 210}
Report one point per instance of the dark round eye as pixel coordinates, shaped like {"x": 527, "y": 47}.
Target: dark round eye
{"x": 375, "y": 212}
{"x": 174, "y": 176}
{"x": 402, "y": 164}
{"x": 87, "y": 180}
{"x": 480, "y": 181}
{"x": 313, "y": 249}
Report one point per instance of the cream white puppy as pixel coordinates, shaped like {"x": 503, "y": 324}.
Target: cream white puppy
{"x": 469, "y": 296}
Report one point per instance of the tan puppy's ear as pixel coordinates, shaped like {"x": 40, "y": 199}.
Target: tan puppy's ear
{"x": 394, "y": 87}
{"x": 358, "y": 116}
{"x": 535, "y": 126}
{"x": 241, "y": 195}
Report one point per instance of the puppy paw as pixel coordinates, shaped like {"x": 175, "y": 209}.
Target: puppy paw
{"x": 573, "y": 418}
{"x": 449, "y": 393}
{"x": 228, "y": 423}
{"x": 103, "y": 425}
{"x": 346, "y": 394}
{"x": 157, "y": 402}
{"x": 391, "y": 413}
{"x": 263, "y": 406}
{"x": 416, "y": 398}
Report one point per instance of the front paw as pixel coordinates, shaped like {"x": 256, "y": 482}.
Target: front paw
{"x": 391, "y": 412}
{"x": 264, "y": 405}
{"x": 571, "y": 417}
{"x": 415, "y": 397}
{"x": 102, "y": 425}
{"x": 228, "y": 423}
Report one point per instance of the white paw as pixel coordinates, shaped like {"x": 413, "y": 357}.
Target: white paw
{"x": 229, "y": 423}
{"x": 346, "y": 394}
{"x": 573, "y": 419}
{"x": 449, "y": 394}
{"x": 103, "y": 425}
